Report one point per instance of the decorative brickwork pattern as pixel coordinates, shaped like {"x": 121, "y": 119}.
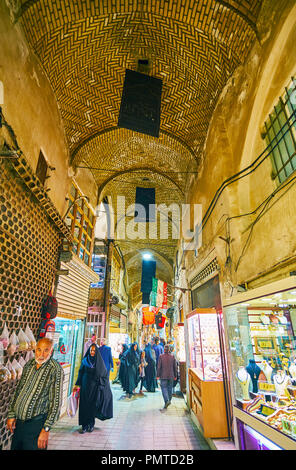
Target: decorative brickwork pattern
{"x": 28, "y": 256}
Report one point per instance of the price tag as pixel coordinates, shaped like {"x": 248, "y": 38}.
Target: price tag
{"x": 265, "y": 387}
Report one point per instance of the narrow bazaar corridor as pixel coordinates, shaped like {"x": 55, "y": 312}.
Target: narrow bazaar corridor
{"x": 147, "y": 226}
{"x": 138, "y": 423}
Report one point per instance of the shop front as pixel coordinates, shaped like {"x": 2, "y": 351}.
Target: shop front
{"x": 116, "y": 339}
{"x": 72, "y": 294}
{"x": 68, "y": 348}
{"x": 207, "y": 391}
{"x": 261, "y": 329}
{"x": 179, "y": 340}
{"x": 206, "y": 385}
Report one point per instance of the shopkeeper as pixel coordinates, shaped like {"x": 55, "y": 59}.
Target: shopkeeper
{"x": 37, "y": 400}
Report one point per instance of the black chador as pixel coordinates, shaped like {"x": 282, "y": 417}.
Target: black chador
{"x": 96, "y": 400}
{"x": 132, "y": 374}
{"x": 122, "y": 367}
{"x": 150, "y": 371}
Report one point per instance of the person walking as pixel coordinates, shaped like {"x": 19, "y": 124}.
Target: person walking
{"x": 89, "y": 342}
{"x": 167, "y": 373}
{"x": 36, "y": 403}
{"x": 96, "y": 400}
{"x": 143, "y": 364}
{"x": 122, "y": 366}
{"x": 132, "y": 374}
{"x": 158, "y": 348}
{"x": 117, "y": 379}
{"x": 150, "y": 371}
{"x": 106, "y": 354}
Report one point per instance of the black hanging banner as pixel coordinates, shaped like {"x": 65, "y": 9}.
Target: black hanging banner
{"x": 146, "y": 198}
{"x": 148, "y": 272}
{"x": 140, "y": 103}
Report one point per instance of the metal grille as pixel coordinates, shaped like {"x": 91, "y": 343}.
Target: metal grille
{"x": 28, "y": 256}
{"x": 280, "y": 134}
{"x": 212, "y": 267}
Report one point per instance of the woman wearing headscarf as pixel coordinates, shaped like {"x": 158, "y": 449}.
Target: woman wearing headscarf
{"x": 150, "y": 372}
{"x": 96, "y": 400}
{"x": 132, "y": 373}
{"x": 122, "y": 367}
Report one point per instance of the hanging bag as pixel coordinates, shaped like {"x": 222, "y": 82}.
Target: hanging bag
{"x": 72, "y": 404}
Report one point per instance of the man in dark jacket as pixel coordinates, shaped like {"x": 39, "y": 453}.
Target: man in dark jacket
{"x": 106, "y": 354}
{"x": 158, "y": 348}
{"x": 167, "y": 373}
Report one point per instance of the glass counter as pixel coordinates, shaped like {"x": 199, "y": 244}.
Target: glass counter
{"x": 204, "y": 345}
{"x": 68, "y": 345}
{"x": 261, "y": 337}
{"x": 180, "y": 342}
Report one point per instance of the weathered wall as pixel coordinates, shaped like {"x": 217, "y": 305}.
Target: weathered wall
{"x": 31, "y": 109}
{"x": 233, "y": 142}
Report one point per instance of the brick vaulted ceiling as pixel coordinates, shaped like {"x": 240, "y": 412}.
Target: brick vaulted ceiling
{"x": 85, "y": 46}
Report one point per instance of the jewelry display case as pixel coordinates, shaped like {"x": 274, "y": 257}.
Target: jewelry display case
{"x": 116, "y": 339}
{"x": 261, "y": 328}
{"x": 205, "y": 376}
{"x": 180, "y": 342}
{"x": 179, "y": 337}
{"x": 204, "y": 345}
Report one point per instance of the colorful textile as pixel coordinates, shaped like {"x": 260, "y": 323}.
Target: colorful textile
{"x": 159, "y": 294}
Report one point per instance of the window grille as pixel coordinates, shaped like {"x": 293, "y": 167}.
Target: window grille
{"x": 280, "y": 134}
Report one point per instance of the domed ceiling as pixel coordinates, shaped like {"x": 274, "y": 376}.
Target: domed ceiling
{"x": 85, "y": 47}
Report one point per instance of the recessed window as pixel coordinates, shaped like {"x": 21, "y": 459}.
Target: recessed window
{"x": 280, "y": 135}
{"x": 80, "y": 220}
{"x": 42, "y": 167}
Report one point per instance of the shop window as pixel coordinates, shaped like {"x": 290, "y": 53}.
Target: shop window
{"x": 261, "y": 332}
{"x": 280, "y": 135}
{"x": 80, "y": 220}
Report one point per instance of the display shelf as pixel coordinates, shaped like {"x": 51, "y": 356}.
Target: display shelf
{"x": 204, "y": 345}
{"x": 208, "y": 404}
{"x": 206, "y": 386}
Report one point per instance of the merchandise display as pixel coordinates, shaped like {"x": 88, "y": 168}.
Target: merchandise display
{"x": 206, "y": 387}
{"x": 204, "y": 346}
{"x": 115, "y": 342}
{"x": 244, "y": 379}
{"x": 180, "y": 342}
{"x": 261, "y": 334}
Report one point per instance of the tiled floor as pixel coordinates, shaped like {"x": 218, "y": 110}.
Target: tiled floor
{"x": 137, "y": 424}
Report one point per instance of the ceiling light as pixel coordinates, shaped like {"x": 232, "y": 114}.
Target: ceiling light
{"x": 147, "y": 256}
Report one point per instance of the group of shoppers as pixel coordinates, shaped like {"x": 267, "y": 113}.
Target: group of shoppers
{"x": 36, "y": 403}
{"x": 155, "y": 362}
{"x": 37, "y": 400}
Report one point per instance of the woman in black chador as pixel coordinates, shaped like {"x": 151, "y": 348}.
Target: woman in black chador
{"x": 132, "y": 374}
{"x": 122, "y": 367}
{"x": 96, "y": 400}
{"x": 150, "y": 371}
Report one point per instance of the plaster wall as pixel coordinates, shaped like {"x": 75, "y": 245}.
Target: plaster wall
{"x": 30, "y": 108}
{"x": 234, "y": 141}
